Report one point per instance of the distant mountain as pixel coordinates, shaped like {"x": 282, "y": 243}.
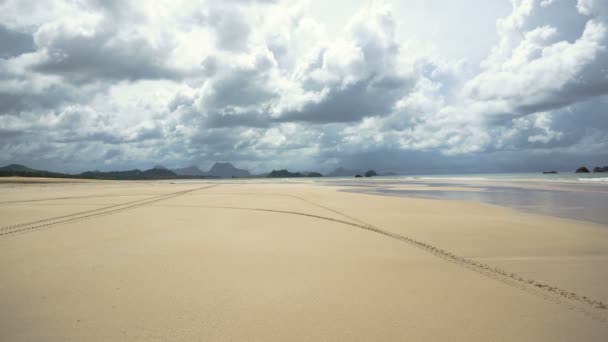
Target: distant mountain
{"x": 312, "y": 174}
{"x": 219, "y": 170}
{"x": 226, "y": 170}
{"x": 159, "y": 174}
{"x": 130, "y": 175}
{"x": 158, "y": 166}
{"x": 24, "y": 171}
{"x": 342, "y": 172}
{"x": 189, "y": 171}
{"x": 17, "y": 168}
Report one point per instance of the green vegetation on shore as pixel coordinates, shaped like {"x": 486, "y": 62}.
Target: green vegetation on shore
{"x": 151, "y": 174}
{"x": 24, "y": 171}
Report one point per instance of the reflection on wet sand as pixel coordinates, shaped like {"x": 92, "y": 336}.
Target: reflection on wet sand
{"x": 578, "y": 202}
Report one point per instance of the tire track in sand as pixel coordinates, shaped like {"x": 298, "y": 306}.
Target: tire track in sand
{"x": 298, "y": 198}
{"x": 67, "y": 198}
{"x": 26, "y": 226}
{"x": 536, "y": 287}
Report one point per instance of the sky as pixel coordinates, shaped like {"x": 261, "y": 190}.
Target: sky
{"x": 409, "y": 86}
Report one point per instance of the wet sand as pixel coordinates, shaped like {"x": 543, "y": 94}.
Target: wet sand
{"x": 583, "y": 202}
{"x": 289, "y": 261}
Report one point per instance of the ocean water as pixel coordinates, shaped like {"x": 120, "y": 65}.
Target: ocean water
{"x": 575, "y": 196}
{"x": 565, "y": 177}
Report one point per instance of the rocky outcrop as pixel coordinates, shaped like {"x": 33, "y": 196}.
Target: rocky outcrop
{"x": 600, "y": 169}
{"x": 582, "y": 169}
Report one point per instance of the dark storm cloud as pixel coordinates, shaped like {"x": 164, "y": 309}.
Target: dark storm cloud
{"x": 13, "y": 43}
{"x": 241, "y": 88}
{"x": 8, "y": 135}
{"x": 109, "y": 46}
{"x": 582, "y": 92}
{"x": 368, "y": 97}
{"x": 582, "y": 121}
{"x": 13, "y": 103}
{"x": 76, "y": 137}
{"x": 216, "y": 139}
{"x": 103, "y": 57}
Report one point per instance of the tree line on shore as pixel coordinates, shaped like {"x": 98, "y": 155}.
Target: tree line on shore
{"x": 219, "y": 170}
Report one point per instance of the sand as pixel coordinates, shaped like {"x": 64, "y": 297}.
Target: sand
{"x": 260, "y": 261}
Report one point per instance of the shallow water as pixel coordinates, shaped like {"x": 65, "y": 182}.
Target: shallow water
{"x": 578, "y": 205}
{"x": 582, "y": 201}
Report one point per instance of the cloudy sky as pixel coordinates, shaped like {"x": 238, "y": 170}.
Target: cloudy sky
{"x": 414, "y": 86}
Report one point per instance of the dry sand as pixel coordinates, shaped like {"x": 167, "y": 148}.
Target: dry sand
{"x": 112, "y": 261}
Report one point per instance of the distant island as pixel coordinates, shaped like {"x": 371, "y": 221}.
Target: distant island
{"x": 597, "y": 169}
{"x": 370, "y": 173}
{"x": 286, "y": 174}
{"x": 343, "y": 172}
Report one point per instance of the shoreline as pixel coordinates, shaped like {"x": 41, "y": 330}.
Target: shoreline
{"x": 581, "y": 202}
{"x": 557, "y": 198}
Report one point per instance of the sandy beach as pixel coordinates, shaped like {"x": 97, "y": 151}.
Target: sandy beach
{"x": 289, "y": 261}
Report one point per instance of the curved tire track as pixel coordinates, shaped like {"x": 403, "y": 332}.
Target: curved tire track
{"x": 21, "y": 227}
{"x": 530, "y": 285}
{"x": 303, "y": 200}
